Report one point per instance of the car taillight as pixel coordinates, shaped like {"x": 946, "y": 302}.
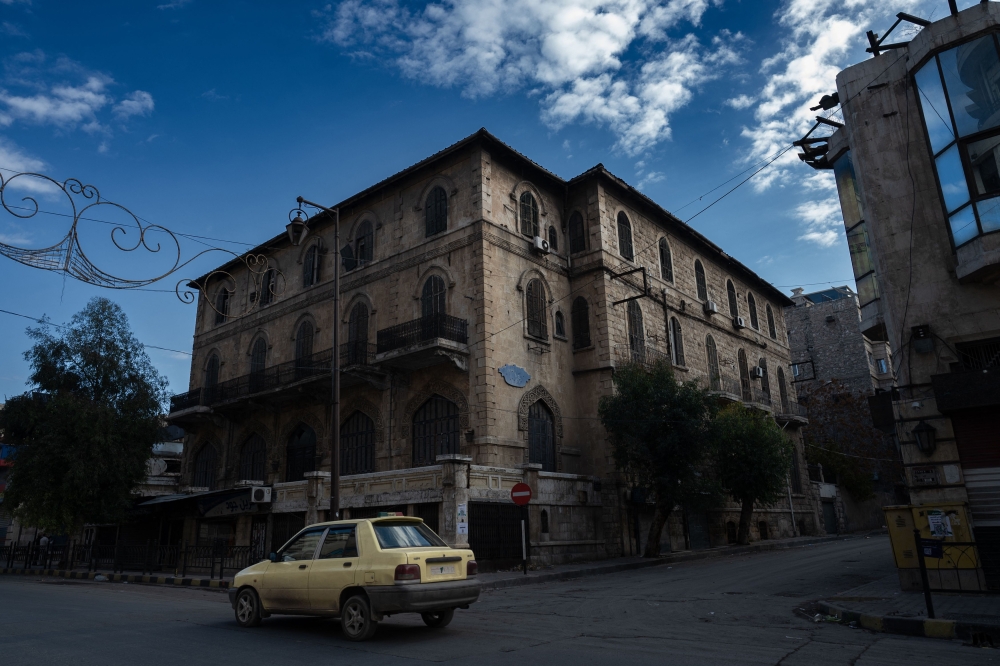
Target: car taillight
{"x": 407, "y": 572}
{"x": 471, "y": 568}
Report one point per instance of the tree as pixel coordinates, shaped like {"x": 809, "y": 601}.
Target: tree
{"x": 657, "y": 427}
{"x": 87, "y": 426}
{"x": 840, "y": 436}
{"x": 752, "y": 457}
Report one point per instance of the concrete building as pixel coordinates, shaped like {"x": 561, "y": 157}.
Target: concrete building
{"x": 485, "y": 305}
{"x": 916, "y": 164}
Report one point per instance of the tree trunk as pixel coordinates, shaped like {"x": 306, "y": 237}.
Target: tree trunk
{"x": 655, "y": 531}
{"x": 746, "y": 513}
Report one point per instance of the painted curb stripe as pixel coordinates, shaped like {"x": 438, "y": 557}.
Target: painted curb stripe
{"x": 120, "y": 578}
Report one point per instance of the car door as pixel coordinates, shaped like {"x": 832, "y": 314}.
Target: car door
{"x": 335, "y": 568}
{"x": 286, "y": 582}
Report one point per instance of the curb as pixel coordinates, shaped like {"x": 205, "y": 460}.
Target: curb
{"x": 555, "y": 576}
{"x": 915, "y": 626}
{"x": 121, "y": 578}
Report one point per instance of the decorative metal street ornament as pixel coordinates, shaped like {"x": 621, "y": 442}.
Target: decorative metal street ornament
{"x": 925, "y": 436}
{"x": 68, "y": 257}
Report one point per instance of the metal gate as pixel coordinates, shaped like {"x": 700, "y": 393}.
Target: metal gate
{"x": 495, "y": 530}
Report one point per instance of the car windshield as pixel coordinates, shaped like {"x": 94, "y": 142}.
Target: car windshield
{"x": 406, "y": 535}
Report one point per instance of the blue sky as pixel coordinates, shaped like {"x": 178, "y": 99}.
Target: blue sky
{"x": 210, "y": 117}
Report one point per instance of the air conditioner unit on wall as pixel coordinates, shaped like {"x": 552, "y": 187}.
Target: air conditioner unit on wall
{"x": 261, "y": 495}
{"x": 739, "y": 322}
{"x": 757, "y": 372}
{"x": 541, "y": 245}
{"x": 711, "y": 307}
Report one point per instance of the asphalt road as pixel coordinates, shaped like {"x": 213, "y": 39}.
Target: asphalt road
{"x": 730, "y": 610}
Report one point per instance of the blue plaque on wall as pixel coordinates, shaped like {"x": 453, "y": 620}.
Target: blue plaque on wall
{"x": 515, "y": 375}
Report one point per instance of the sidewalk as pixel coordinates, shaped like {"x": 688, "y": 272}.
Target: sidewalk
{"x": 881, "y": 606}
{"x": 107, "y": 576}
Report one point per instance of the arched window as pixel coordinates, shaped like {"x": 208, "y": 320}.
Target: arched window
{"x": 357, "y": 335}
{"x": 666, "y": 263}
{"x": 205, "y": 468}
{"x": 625, "y": 236}
{"x": 676, "y": 342}
{"x": 734, "y": 305}
{"x": 357, "y": 444}
{"x": 364, "y": 244}
{"x": 529, "y": 214}
{"x": 436, "y": 212}
{"x": 636, "y": 332}
{"x": 752, "y": 307}
{"x": 765, "y": 381}
{"x": 212, "y": 371}
{"x": 560, "y": 325}
{"x": 581, "y": 323}
{"x": 545, "y": 521}
{"x": 258, "y": 360}
{"x": 304, "y": 341}
{"x": 771, "y": 330}
{"x": 268, "y": 286}
{"x": 300, "y": 454}
{"x": 577, "y": 234}
{"x": 712, "y": 353}
{"x": 699, "y": 278}
{"x": 310, "y": 266}
{"x": 553, "y": 240}
{"x": 782, "y": 391}
{"x": 222, "y": 305}
{"x": 253, "y": 459}
{"x": 541, "y": 437}
{"x": 744, "y": 376}
{"x": 435, "y": 430}
{"x": 347, "y": 258}
{"x": 433, "y": 296}
{"x": 535, "y": 300}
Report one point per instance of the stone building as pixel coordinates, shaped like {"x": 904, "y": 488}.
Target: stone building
{"x": 916, "y": 162}
{"x": 485, "y": 304}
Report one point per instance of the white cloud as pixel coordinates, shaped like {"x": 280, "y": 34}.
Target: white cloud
{"x": 822, "y": 220}
{"x": 61, "y": 105}
{"x": 611, "y": 63}
{"x": 741, "y": 102}
{"x": 174, "y": 4}
{"x": 12, "y": 29}
{"x": 649, "y": 179}
{"x": 138, "y": 103}
{"x": 13, "y": 160}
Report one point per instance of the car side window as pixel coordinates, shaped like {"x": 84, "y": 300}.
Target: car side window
{"x": 303, "y": 548}
{"x": 339, "y": 542}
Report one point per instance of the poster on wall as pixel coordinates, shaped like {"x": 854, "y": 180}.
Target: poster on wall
{"x": 940, "y": 525}
{"x": 462, "y": 522}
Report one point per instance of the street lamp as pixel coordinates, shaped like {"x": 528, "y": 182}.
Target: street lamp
{"x": 297, "y": 230}
{"x": 925, "y": 435}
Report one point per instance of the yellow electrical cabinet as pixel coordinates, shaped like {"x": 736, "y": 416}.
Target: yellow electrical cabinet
{"x": 949, "y": 554}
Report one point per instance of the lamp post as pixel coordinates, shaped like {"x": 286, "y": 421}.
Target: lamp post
{"x": 297, "y": 230}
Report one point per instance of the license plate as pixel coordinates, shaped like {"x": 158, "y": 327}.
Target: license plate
{"x": 442, "y": 569}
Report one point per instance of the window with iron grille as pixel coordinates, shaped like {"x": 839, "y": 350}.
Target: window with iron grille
{"x": 980, "y": 354}
{"x": 541, "y": 441}
{"x": 581, "y": 323}
{"x": 258, "y": 356}
{"x": 560, "y": 325}
{"x": 253, "y": 459}
{"x": 535, "y": 297}
{"x": 734, "y": 305}
{"x": 432, "y": 299}
{"x": 712, "y": 353}
{"x": 436, "y": 212}
{"x": 577, "y": 234}
{"x": 699, "y": 279}
{"x": 752, "y": 308}
{"x": 357, "y": 335}
{"x": 744, "y": 376}
{"x": 553, "y": 239}
{"x": 304, "y": 341}
{"x": 636, "y": 333}
{"x": 765, "y": 381}
{"x": 300, "y": 454}
{"x": 666, "y": 262}
{"x": 205, "y": 468}
{"x": 435, "y": 430}
{"x": 771, "y": 330}
{"x": 222, "y": 305}
{"x": 212, "y": 371}
{"x": 782, "y": 391}
{"x": 529, "y": 214}
{"x": 310, "y": 266}
{"x": 676, "y": 342}
{"x": 625, "y": 237}
{"x": 364, "y": 244}
{"x": 357, "y": 445}
{"x": 268, "y": 287}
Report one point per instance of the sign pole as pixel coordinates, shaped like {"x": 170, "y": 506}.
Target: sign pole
{"x": 524, "y": 546}
{"x": 520, "y": 495}
{"x": 923, "y": 574}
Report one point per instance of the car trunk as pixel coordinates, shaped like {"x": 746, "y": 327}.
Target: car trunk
{"x": 438, "y": 565}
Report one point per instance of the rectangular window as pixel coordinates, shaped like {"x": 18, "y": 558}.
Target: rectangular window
{"x": 861, "y": 256}
{"x": 847, "y": 188}
{"x": 882, "y": 366}
{"x": 867, "y": 289}
{"x": 796, "y": 370}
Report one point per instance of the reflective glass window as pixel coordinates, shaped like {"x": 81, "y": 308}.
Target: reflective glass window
{"x": 983, "y": 158}
{"x": 971, "y": 75}
{"x": 989, "y": 214}
{"x": 935, "y": 108}
{"x": 850, "y": 200}
{"x": 861, "y": 258}
{"x": 303, "y": 547}
{"x": 952, "y": 178}
{"x": 963, "y": 226}
{"x": 867, "y": 289}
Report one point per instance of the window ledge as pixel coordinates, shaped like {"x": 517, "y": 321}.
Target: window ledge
{"x": 544, "y": 341}
{"x": 560, "y": 337}
{"x": 583, "y": 349}
{"x": 682, "y": 368}
{"x": 979, "y": 259}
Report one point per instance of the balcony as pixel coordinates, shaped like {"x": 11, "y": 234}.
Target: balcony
{"x": 727, "y": 388}
{"x": 424, "y": 342}
{"x": 646, "y": 356}
{"x": 791, "y": 412}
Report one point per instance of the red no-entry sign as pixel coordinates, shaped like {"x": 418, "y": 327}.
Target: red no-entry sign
{"x": 520, "y": 494}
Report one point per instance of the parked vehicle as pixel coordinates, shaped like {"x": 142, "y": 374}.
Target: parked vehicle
{"x": 360, "y": 571}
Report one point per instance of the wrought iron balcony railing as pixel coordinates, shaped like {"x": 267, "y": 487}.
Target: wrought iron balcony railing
{"x": 423, "y": 330}
{"x": 725, "y": 385}
{"x": 357, "y": 353}
{"x": 644, "y": 355}
{"x": 791, "y": 408}
{"x": 759, "y": 397}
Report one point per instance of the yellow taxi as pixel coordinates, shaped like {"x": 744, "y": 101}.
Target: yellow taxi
{"x": 360, "y": 571}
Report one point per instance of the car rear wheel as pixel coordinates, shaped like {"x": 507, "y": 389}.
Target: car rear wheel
{"x": 356, "y": 619}
{"x": 248, "y": 608}
{"x": 438, "y": 619}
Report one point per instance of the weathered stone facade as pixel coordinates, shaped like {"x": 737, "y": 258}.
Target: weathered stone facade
{"x": 498, "y": 300}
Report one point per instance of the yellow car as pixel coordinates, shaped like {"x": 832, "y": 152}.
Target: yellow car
{"x": 360, "y": 571}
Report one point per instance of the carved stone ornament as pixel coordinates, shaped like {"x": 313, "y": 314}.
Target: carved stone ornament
{"x": 368, "y": 409}
{"x": 531, "y": 397}
{"x": 445, "y": 390}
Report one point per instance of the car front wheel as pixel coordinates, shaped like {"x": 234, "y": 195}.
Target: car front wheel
{"x": 356, "y": 619}
{"x": 248, "y": 608}
{"x": 438, "y": 619}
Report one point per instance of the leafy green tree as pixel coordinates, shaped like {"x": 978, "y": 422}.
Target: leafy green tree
{"x": 87, "y": 426}
{"x": 752, "y": 457}
{"x": 658, "y": 431}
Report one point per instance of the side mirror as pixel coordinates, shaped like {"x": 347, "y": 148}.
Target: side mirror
{"x": 273, "y": 557}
